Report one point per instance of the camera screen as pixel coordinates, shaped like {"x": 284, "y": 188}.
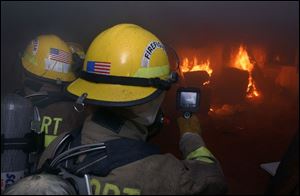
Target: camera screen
{"x": 188, "y": 99}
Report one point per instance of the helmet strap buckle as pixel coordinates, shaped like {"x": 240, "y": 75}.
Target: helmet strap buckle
{"x": 79, "y": 104}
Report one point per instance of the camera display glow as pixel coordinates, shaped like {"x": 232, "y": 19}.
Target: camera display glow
{"x": 188, "y": 99}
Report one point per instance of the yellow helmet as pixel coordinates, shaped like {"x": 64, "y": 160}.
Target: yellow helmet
{"x": 49, "y": 57}
{"x": 125, "y": 65}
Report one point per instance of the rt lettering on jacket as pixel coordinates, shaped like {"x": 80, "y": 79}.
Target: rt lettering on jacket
{"x": 100, "y": 188}
{"x": 50, "y": 126}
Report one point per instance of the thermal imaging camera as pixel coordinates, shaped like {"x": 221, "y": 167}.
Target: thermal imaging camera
{"x": 188, "y": 100}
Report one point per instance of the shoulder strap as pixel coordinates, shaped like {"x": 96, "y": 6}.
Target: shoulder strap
{"x": 100, "y": 158}
{"x": 118, "y": 153}
{"x": 58, "y": 146}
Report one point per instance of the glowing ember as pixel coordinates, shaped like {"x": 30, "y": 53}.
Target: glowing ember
{"x": 193, "y": 65}
{"x": 242, "y": 61}
{"x": 206, "y": 83}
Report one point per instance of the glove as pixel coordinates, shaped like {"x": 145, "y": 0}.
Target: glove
{"x": 191, "y": 125}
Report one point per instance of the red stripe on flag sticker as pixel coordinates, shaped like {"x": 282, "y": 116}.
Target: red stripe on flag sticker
{"x": 97, "y": 70}
{"x": 102, "y": 68}
{"x": 102, "y": 63}
{"x": 101, "y": 72}
{"x": 60, "y": 55}
{"x": 98, "y": 67}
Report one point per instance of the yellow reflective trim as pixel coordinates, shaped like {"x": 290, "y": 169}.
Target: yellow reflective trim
{"x": 57, "y": 120}
{"x": 201, "y": 154}
{"x": 131, "y": 191}
{"x": 111, "y": 187}
{"x": 95, "y": 183}
{"x": 152, "y": 72}
{"x": 49, "y": 139}
{"x": 46, "y": 123}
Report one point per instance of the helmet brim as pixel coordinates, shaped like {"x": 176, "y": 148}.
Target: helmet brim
{"x": 112, "y": 95}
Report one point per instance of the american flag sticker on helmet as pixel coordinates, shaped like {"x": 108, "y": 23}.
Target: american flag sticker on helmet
{"x": 98, "y": 67}
{"x": 53, "y": 65}
{"x": 60, "y": 55}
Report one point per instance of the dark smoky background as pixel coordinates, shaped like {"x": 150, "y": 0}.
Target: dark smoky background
{"x": 185, "y": 24}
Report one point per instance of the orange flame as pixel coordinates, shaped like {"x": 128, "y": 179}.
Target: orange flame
{"x": 193, "y": 65}
{"x": 242, "y": 61}
{"x": 190, "y": 66}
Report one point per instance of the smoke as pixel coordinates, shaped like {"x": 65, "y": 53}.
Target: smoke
{"x": 175, "y": 21}
{"x": 181, "y": 24}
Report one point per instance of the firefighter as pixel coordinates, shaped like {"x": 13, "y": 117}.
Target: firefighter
{"x": 39, "y": 111}
{"x": 125, "y": 75}
{"x": 49, "y": 65}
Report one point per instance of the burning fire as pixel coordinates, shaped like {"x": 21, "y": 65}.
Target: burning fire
{"x": 193, "y": 65}
{"x": 242, "y": 61}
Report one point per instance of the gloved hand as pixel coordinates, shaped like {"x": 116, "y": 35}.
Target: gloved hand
{"x": 189, "y": 125}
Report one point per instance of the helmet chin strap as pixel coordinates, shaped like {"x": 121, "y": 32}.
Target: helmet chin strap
{"x": 131, "y": 81}
{"x": 40, "y": 93}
